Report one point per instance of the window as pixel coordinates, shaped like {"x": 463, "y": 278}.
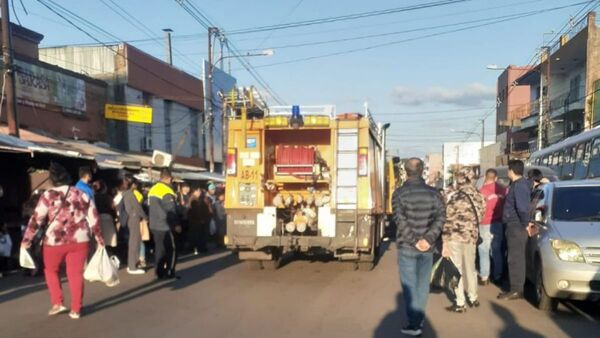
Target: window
{"x": 576, "y": 204}
{"x": 560, "y": 157}
{"x": 567, "y": 157}
{"x": 579, "y": 153}
{"x": 545, "y": 161}
{"x": 586, "y": 154}
{"x": 596, "y": 148}
{"x": 555, "y": 159}
{"x": 573, "y": 154}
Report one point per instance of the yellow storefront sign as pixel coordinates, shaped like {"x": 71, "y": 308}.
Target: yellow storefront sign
{"x": 140, "y": 114}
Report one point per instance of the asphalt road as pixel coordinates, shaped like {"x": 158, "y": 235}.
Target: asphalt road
{"x": 220, "y": 297}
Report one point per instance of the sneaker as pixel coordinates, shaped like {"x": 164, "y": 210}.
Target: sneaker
{"x": 510, "y": 295}
{"x": 457, "y": 309}
{"x": 135, "y": 272}
{"x": 56, "y": 309}
{"x": 474, "y": 303}
{"x": 74, "y": 315}
{"x": 413, "y": 331}
{"x": 196, "y": 252}
{"x": 142, "y": 264}
{"x": 484, "y": 282}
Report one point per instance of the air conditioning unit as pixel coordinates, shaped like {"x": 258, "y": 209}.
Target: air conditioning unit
{"x": 161, "y": 159}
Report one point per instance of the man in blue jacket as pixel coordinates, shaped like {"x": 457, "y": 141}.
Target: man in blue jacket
{"x": 516, "y": 217}
{"x": 85, "y": 177}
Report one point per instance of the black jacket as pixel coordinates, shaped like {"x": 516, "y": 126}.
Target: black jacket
{"x": 516, "y": 204}
{"x": 419, "y": 213}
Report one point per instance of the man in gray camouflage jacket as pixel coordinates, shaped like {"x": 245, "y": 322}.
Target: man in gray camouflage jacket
{"x": 460, "y": 233}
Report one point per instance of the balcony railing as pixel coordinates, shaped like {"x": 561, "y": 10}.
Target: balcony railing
{"x": 578, "y": 27}
{"x": 566, "y": 102}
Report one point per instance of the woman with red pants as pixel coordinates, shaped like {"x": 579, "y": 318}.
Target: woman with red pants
{"x": 68, "y": 218}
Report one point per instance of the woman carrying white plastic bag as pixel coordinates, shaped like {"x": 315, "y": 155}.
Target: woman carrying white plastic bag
{"x": 102, "y": 268}
{"x": 66, "y": 218}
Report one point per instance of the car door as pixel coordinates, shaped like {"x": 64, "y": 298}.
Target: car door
{"x": 539, "y": 202}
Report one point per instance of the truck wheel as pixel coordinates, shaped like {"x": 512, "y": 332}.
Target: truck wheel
{"x": 542, "y": 300}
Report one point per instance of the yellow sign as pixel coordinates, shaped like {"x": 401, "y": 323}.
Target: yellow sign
{"x": 140, "y": 114}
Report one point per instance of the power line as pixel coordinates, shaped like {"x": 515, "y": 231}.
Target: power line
{"x": 421, "y": 37}
{"x": 197, "y": 14}
{"x": 140, "y": 26}
{"x": 345, "y": 17}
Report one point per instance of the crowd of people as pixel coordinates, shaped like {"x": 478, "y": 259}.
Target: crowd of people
{"x": 130, "y": 220}
{"x": 483, "y": 231}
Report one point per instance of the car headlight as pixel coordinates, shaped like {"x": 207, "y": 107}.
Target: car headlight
{"x": 567, "y": 251}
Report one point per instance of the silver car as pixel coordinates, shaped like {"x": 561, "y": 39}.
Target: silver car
{"x": 563, "y": 260}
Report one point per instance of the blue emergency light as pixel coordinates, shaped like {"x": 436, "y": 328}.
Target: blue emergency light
{"x": 296, "y": 120}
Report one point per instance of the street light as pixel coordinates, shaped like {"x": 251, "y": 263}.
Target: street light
{"x": 266, "y": 52}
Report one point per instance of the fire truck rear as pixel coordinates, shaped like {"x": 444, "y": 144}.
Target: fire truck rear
{"x": 303, "y": 179}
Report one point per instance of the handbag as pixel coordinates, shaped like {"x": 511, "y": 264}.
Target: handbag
{"x": 144, "y": 230}
{"x": 41, "y": 232}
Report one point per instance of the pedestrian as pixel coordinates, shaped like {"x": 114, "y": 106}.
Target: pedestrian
{"x": 106, "y": 210}
{"x": 85, "y": 177}
{"x": 135, "y": 215}
{"x": 220, "y": 218}
{"x": 516, "y": 216}
{"x": 163, "y": 223}
{"x": 491, "y": 230}
{"x": 199, "y": 216}
{"x": 68, "y": 218}
{"x": 183, "y": 204}
{"x": 135, "y": 188}
{"x": 28, "y": 210}
{"x": 460, "y": 235}
{"x": 419, "y": 214}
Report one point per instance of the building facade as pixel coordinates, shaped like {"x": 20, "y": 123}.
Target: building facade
{"x": 567, "y": 79}
{"x": 137, "y": 79}
{"x": 53, "y": 100}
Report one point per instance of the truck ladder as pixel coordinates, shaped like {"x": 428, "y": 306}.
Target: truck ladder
{"x": 346, "y": 195}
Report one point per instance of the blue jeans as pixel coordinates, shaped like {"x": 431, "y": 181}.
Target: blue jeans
{"x": 492, "y": 236}
{"x": 415, "y": 276}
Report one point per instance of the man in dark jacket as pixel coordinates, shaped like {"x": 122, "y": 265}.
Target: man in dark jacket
{"x": 516, "y": 217}
{"x": 419, "y": 214}
{"x": 163, "y": 222}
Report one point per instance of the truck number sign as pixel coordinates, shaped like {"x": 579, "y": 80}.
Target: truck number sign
{"x": 249, "y": 175}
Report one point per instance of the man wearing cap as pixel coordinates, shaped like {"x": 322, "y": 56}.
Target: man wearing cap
{"x": 460, "y": 233}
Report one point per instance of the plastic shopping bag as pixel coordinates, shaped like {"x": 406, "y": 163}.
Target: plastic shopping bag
{"x": 25, "y": 259}
{"x": 5, "y": 245}
{"x": 445, "y": 275}
{"x": 102, "y": 268}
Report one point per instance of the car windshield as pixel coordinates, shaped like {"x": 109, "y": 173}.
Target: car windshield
{"x": 576, "y": 204}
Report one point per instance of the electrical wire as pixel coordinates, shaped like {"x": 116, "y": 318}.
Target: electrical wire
{"x": 421, "y": 37}
{"x": 347, "y": 17}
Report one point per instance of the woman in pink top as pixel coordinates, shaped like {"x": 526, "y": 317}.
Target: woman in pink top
{"x": 491, "y": 229}
{"x": 69, "y": 218}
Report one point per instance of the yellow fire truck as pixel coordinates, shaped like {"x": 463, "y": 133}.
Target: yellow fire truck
{"x": 303, "y": 179}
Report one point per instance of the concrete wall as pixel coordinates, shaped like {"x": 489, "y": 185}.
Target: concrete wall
{"x": 593, "y": 67}
{"x": 489, "y": 156}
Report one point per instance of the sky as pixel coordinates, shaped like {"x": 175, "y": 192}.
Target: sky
{"x": 423, "y": 71}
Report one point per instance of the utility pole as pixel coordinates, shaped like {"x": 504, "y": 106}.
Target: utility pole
{"x": 209, "y": 106}
{"x": 482, "y": 133}
{"x": 12, "y": 117}
{"x": 168, "y": 48}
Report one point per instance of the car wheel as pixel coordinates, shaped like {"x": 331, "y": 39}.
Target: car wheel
{"x": 542, "y": 300}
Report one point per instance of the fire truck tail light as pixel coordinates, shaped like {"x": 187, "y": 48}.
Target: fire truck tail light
{"x": 363, "y": 162}
{"x": 231, "y": 161}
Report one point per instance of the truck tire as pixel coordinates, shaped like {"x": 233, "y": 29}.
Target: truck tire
{"x": 542, "y": 300}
